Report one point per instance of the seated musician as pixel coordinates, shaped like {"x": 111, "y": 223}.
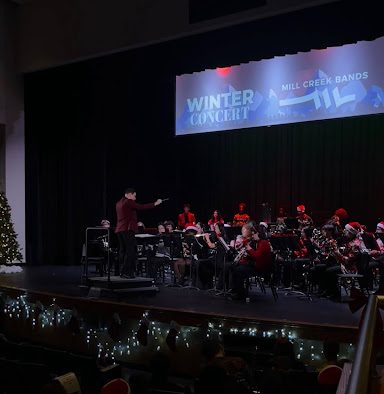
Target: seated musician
{"x": 348, "y": 257}
{"x": 301, "y": 259}
{"x": 161, "y": 228}
{"x": 338, "y": 221}
{"x": 241, "y": 217}
{"x": 189, "y": 242}
{"x": 302, "y": 251}
{"x": 215, "y": 218}
{"x": 281, "y": 227}
{"x": 186, "y": 218}
{"x": 370, "y": 241}
{"x": 215, "y": 257}
{"x": 162, "y": 249}
{"x": 303, "y": 219}
{"x": 169, "y": 226}
{"x": 326, "y": 250}
{"x": 380, "y": 236}
{"x": 255, "y": 258}
{"x": 158, "y": 254}
{"x": 140, "y": 227}
{"x": 375, "y": 243}
{"x": 265, "y": 225}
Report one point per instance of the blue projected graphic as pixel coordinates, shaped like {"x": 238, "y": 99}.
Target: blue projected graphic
{"x": 321, "y": 84}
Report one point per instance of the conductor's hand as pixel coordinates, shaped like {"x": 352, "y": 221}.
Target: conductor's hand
{"x": 158, "y": 202}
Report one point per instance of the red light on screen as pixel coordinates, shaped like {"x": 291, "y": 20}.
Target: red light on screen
{"x": 223, "y": 71}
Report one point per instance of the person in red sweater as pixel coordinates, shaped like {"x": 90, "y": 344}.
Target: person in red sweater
{"x": 126, "y": 227}
{"x": 241, "y": 217}
{"x": 256, "y": 260}
{"x": 215, "y": 218}
{"x": 186, "y": 218}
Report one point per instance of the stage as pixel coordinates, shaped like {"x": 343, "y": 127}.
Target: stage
{"x": 316, "y": 318}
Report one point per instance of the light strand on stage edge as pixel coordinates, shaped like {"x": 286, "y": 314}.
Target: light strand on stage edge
{"x": 184, "y": 338}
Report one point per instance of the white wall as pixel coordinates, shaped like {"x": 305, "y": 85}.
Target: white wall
{"x": 12, "y": 115}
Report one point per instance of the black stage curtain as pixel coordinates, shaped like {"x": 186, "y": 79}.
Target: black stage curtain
{"x": 95, "y": 127}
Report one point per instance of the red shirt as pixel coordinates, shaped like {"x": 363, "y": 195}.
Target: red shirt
{"x": 261, "y": 256}
{"x": 240, "y": 219}
{"x": 182, "y": 223}
{"x": 126, "y": 211}
{"x": 211, "y": 222}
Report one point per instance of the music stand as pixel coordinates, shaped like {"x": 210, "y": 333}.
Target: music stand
{"x": 190, "y": 240}
{"x": 292, "y": 223}
{"x": 85, "y": 274}
{"x": 227, "y": 248}
{"x": 222, "y": 242}
{"x": 174, "y": 239}
{"x": 145, "y": 240}
{"x": 289, "y": 243}
{"x": 232, "y": 231}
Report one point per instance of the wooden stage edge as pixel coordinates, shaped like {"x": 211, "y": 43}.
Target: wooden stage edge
{"x": 184, "y": 317}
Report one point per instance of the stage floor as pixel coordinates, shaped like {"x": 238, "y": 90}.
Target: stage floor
{"x": 288, "y": 309}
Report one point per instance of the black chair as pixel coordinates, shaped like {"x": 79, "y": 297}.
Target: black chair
{"x": 359, "y": 279}
{"x": 94, "y": 256}
{"x": 273, "y": 276}
{"x": 269, "y": 277}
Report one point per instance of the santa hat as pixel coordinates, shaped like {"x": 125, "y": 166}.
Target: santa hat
{"x": 192, "y": 228}
{"x": 341, "y": 213}
{"x": 353, "y": 227}
{"x": 300, "y": 208}
{"x": 264, "y": 225}
{"x": 380, "y": 227}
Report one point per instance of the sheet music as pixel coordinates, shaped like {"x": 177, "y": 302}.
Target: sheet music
{"x": 145, "y": 235}
{"x": 222, "y": 241}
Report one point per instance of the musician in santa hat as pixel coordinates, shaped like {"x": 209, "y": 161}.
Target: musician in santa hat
{"x": 380, "y": 236}
{"x": 377, "y": 254}
{"x": 304, "y": 220}
{"x": 348, "y": 257}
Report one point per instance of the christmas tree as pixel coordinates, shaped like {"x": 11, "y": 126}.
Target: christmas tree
{"x": 9, "y": 247}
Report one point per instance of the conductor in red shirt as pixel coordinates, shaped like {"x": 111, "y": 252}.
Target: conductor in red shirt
{"x": 126, "y": 227}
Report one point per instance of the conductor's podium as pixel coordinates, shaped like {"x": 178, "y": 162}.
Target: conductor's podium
{"x": 104, "y": 283}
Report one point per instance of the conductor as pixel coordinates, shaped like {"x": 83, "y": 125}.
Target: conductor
{"x": 126, "y": 227}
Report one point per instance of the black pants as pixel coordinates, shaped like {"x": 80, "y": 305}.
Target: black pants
{"x": 239, "y": 274}
{"x": 127, "y": 252}
{"x": 224, "y": 271}
{"x": 206, "y": 270}
{"x": 373, "y": 264}
{"x": 332, "y": 280}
